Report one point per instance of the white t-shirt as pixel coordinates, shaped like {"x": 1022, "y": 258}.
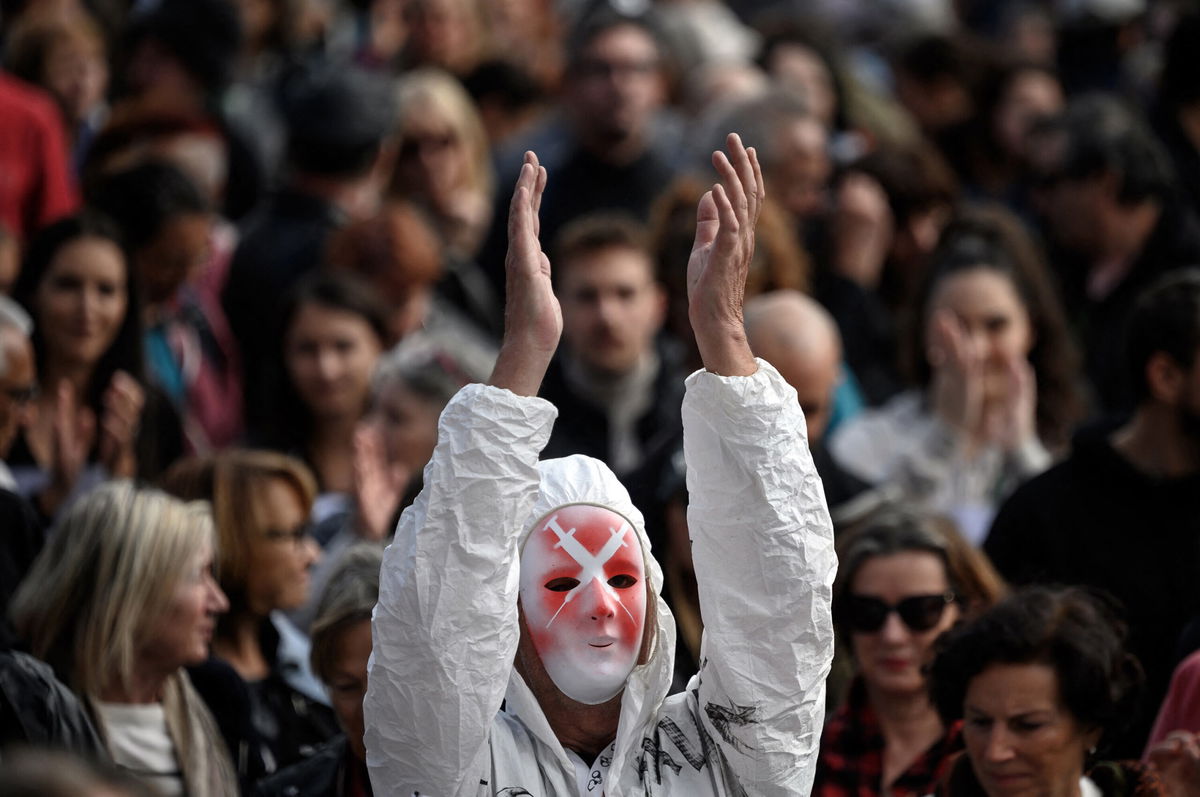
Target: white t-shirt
{"x": 139, "y": 742}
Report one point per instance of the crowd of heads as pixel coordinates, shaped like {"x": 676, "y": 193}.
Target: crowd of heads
{"x": 250, "y": 250}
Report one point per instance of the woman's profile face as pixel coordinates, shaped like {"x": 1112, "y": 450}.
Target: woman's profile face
{"x": 348, "y": 682}
{"x": 280, "y": 552}
{"x": 1022, "y": 740}
{"x": 81, "y": 301}
{"x": 891, "y": 657}
{"x": 330, "y": 354}
{"x": 181, "y": 635}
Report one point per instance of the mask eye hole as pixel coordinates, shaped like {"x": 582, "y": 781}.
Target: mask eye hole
{"x": 562, "y": 584}
{"x": 622, "y": 581}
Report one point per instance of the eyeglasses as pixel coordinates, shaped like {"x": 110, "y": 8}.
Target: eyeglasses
{"x": 919, "y": 612}
{"x": 296, "y": 536}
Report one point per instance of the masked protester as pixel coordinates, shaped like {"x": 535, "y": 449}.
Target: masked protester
{"x": 532, "y": 584}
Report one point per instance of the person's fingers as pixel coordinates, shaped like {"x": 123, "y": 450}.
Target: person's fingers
{"x": 740, "y": 160}
{"x": 707, "y": 222}
{"x": 759, "y": 183}
{"x": 539, "y": 190}
{"x": 732, "y": 184}
{"x": 729, "y": 224}
{"x": 938, "y": 346}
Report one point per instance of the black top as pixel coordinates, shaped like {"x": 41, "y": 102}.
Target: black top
{"x": 1096, "y": 520}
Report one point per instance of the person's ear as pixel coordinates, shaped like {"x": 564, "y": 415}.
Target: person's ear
{"x": 1164, "y": 378}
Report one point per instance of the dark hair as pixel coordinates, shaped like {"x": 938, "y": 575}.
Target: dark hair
{"x": 1104, "y": 136}
{"x": 992, "y": 238}
{"x": 915, "y": 177}
{"x": 125, "y": 352}
{"x": 1177, "y": 83}
{"x": 598, "y": 18}
{"x": 1075, "y": 631}
{"x": 928, "y": 57}
{"x": 204, "y": 35}
{"x": 1166, "y": 318}
{"x": 901, "y": 529}
{"x": 144, "y": 198}
{"x": 337, "y": 118}
{"x": 595, "y": 232}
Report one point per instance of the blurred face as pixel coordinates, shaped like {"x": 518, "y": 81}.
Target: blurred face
{"x": 81, "y": 301}
{"x": 986, "y": 304}
{"x": 408, "y": 424}
{"x": 280, "y": 552}
{"x": 814, "y": 372}
{"x": 800, "y": 173}
{"x": 1075, "y": 212}
{"x": 1020, "y": 737}
{"x": 612, "y": 308}
{"x": 348, "y": 683}
{"x": 178, "y": 251}
{"x": 440, "y": 32}
{"x": 617, "y": 85}
{"x": 890, "y": 658}
{"x": 583, "y": 593}
{"x": 18, "y": 382}
{"x": 1031, "y": 95}
{"x": 432, "y": 159}
{"x": 181, "y": 635}
{"x": 77, "y": 74}
{"x": 330, "y": 354}
{"x": 799, "y": 67}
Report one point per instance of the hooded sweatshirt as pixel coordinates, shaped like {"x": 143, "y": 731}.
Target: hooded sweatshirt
{"x": 446, "y": 626}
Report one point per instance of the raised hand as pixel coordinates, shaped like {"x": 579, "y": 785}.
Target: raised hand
{"x": 720, "y": 260}
{"x": 532, "y": 316}
{"x": 1012, "y": 421}
{"x": 72, "y": 432}
{"x": 119, "y": 425}
{"x": 1177, "y": 761}
{"x": 378, "y": 485}
{"x": 957, "y": 388}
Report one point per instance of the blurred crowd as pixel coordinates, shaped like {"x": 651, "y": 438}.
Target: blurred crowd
{"x": 249, "y": 249}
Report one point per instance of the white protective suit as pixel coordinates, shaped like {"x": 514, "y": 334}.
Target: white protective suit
{"x": 446, "y": 628}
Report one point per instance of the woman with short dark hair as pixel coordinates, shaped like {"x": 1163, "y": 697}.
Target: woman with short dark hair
{"x": 1041, "y": 681}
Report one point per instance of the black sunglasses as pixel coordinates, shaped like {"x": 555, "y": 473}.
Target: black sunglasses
{"x": 919, "y": 612}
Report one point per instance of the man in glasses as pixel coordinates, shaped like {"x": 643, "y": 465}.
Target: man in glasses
{"x": 531, "y": 584}
{"x": 17, "y": 378}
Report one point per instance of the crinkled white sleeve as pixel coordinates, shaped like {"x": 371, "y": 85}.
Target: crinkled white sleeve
{"x": 445, "y": 628}
{"x": 762, "y": 543}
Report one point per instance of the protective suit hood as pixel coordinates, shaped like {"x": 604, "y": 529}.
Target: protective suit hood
{"x": 579, "y": 479}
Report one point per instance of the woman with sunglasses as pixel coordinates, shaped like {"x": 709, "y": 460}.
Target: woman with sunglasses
{"x": 270, "y": 708}
{"x": 903, "y": 579}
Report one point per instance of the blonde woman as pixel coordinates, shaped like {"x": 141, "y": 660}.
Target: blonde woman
{"x": 119, "y": 601}
{"x": 257, "y": 684}
{"x": 443, "y": 162}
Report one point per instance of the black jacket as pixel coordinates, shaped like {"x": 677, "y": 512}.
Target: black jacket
{"x": 1096, "y": 520}
{"x": 325, "y": 774}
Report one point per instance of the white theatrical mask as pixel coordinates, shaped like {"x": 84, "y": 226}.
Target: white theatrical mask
{"x": 584, "y": 595}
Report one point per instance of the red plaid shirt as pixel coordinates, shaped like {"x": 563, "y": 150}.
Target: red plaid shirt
{"x": 851, "y": 760}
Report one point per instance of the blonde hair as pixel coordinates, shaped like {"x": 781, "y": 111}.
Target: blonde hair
{"x": 430, "y": 88}
{"x": 232, "y": 482}
{"x": 112, "y": 562}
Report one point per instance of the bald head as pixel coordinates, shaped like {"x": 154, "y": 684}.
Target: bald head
{"x": 797, "y": 336}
